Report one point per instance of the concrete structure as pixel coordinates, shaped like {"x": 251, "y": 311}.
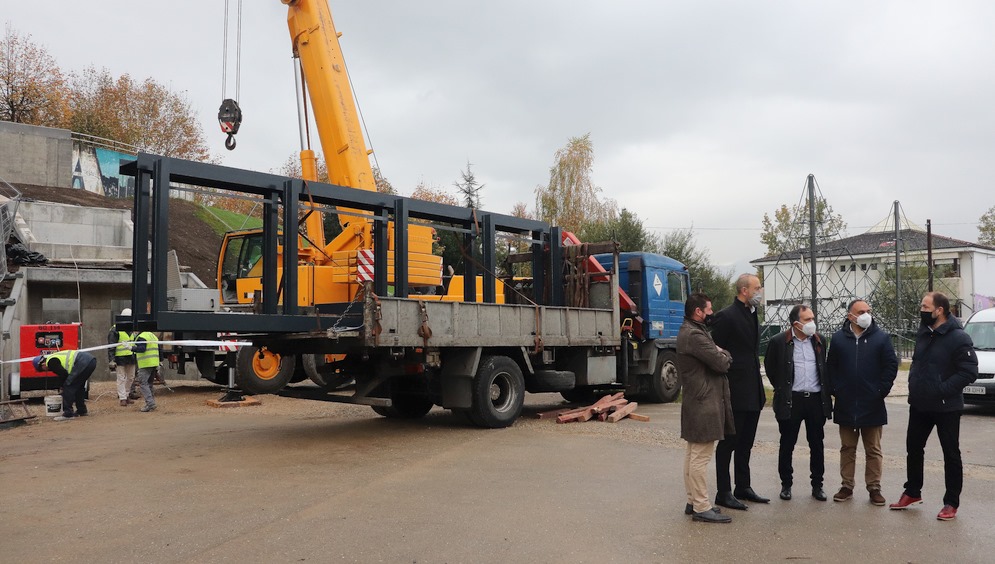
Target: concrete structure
{"x": 30, "y": 154}
{"x": 87, "y": 280}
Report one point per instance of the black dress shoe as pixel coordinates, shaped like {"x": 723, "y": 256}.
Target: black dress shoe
{"x": 689, "y": 509}
{"x": 749, "y": 495}
{"x": 786, "y": 493}
{"x": 726, "y": 499}
{"x": 818, "y": 493}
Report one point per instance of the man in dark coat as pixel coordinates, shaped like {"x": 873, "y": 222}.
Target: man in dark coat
{"x": 706, "y": 412}
{"x": 862, "y": 368}
{"x": 942, "y": 364}
{"x": 796, "y": 367}
{"x": 737, "y": 330}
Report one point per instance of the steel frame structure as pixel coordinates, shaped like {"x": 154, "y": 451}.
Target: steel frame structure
{"x": 282, "y": 198}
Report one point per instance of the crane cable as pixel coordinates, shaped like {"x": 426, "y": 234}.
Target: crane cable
{"x": 229, "y": 114}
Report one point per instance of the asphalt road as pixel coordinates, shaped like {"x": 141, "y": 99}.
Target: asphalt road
{"x": 305, "y": 481}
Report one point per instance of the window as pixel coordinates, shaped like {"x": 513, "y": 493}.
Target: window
{"x": 863, "y": 267}
{"x": 675, "y": 286}
{"x": 842, "y": 268}
{"x": 853, "y": 266}
{"x": 874, "y": 266}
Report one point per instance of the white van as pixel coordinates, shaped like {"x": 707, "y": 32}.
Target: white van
{"x": 981, "y": 328}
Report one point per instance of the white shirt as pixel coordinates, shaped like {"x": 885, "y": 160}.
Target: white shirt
{"x": 806, "y": 373}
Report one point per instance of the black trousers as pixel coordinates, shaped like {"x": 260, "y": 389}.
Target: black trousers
{"x": 947, "y": 425}
{"x": 742, "y": 445}
{"x": 74, "y": 390}
{"x": 809, "y": 410}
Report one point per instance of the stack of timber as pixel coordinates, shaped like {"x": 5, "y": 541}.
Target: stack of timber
{"x": 611, "y": 408}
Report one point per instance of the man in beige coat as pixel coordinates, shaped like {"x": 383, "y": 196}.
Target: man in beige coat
{"x": 706, "y": 407}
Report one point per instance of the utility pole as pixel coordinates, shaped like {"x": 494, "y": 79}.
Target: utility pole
{"x": 811, "y": 244}
{"x": 898, "y": 270}
{"x": 929, "y": 255}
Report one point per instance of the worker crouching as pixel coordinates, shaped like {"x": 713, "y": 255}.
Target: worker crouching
{"x": 73, "y": 368}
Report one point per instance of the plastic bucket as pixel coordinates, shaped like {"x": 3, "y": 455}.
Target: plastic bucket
{"x": 53, "y": 405}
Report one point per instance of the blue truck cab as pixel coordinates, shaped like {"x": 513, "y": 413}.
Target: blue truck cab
{"x": 659, "y": 286}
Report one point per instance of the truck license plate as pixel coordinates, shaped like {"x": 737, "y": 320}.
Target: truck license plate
{"x": 980, "y": 390}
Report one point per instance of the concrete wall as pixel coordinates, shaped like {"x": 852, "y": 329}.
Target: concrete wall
{"x": 61, "y": 231}
{"x": 30, "y": 154}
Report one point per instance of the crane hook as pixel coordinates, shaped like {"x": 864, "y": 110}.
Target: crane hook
{"x": 230, "y": 118}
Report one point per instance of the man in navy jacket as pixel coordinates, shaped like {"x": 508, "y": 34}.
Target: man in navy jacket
{"x": 862, "y": 367}
{"x": 942, "y": 364}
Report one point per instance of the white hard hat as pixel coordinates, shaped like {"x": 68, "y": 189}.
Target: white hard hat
{"x": 126, "y": 311}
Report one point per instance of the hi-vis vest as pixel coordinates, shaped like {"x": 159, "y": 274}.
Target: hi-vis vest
{"x": 120, "y": 349}
{"x": 66, "y": 358}
{"x": 149, "y": 358}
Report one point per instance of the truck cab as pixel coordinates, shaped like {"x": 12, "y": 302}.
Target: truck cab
{"x": 659, "y": 286}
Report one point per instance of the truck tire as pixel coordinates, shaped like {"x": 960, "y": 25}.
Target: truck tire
{"x": 313, "y": 364}
{"x": 266, "y": 375}
{"x": 665, "y": 384}
{"x": 498, "y": 392}
{"x": 405, "y": 407}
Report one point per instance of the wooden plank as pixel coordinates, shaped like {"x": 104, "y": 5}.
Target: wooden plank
{"x": 553, "y": 413}
{"x": 639, "y": 417}
{"x": 605, "y": 408}
{"x": 582, "y": 415}
{"x": 622, "y": 412}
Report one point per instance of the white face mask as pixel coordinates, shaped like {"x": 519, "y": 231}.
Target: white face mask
{"x": 864, "y": 320}
{"x": 809, "y": 328}
{"x": 757, "y": 298}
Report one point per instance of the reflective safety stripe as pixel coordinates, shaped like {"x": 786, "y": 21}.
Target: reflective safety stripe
{"x": 149, "y": 358}
{"x": 122, "y": 338}
{"x": 66, "y": 358}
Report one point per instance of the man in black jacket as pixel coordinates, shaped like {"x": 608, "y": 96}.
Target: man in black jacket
{"x": 796, "y": 367}
{"x": 942, "y": 364}
{"x": 862, "y": 367}
{"x": 737, "y": 330}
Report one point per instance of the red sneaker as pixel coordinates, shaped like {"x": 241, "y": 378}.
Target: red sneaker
{"x": 947, "y": 513}
{"x": 905, "y": 501}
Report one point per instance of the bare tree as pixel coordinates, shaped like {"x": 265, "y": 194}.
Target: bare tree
{"x": 469, "y": 187}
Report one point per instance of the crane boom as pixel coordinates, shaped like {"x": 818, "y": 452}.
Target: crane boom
{"x": 316, "y": 43}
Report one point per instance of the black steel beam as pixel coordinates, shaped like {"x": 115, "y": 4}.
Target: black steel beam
{"x": 400, "y": 248}
{"x": 380, "y": 239}
{"x": 160, "y": 235}
{"x": 291, "y": 191}
{"x": 488, "y": 255}
{"x": 556, "y": 266}
{"x": 270, "y": 235}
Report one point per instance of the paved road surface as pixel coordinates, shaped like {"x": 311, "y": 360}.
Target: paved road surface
{"x": 311, "y": 482}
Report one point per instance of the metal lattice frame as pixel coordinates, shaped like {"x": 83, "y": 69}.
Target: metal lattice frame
{"x": 863, "y": 275}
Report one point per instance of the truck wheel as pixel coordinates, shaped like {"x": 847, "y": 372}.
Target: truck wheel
{"x": 313, "y": 365}
{"x": 405, "y": 407}
{"x": 665, "y": 384}
{"x": 266, "y": 375}
{"x": 498, "y": 392}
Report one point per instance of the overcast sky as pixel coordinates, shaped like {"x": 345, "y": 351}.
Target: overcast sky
{"x": 703, "y": 113}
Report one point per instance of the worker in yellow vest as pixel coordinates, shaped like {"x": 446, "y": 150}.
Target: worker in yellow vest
{"x": 147, "y": 356}
{"x": 73, "y": 368}
{"x": 121, "y": 359}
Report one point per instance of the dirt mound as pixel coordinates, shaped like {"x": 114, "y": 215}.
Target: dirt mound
{"x": 196, "y": 244}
